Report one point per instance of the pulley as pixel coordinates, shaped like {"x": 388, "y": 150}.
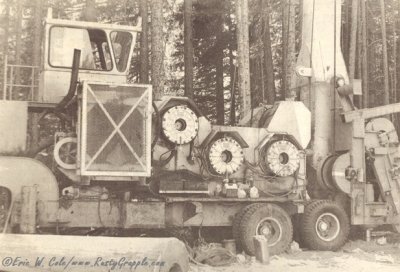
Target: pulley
{"x": 333, "y": 173}
{"x": 225, "y": 155}
{"x": 65, "y": 153}
{"x": 339, "y": 173}
{"x": 180, "y": 124}
{"x": 281, "y": 158}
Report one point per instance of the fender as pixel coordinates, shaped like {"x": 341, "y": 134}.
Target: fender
{"x": 16, "y": 172}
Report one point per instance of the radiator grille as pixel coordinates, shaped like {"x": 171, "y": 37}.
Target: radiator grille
{"x": 116, "y": 127}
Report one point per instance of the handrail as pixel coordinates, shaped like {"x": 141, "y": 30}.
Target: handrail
{"x": 9, "y": 73}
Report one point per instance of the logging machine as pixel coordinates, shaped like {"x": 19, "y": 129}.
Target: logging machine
{"x": 124, "y": 160}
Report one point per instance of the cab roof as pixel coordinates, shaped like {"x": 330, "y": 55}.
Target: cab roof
{"x": 84, "y": 24}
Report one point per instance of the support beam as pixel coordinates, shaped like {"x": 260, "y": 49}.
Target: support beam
{"x": 28, "y": 209}
{"x": 371, "y": 112}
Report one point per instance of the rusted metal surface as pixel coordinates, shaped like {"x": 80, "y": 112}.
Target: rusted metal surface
{"x": 177, "y": 211}
{"x": 108, "y": 214}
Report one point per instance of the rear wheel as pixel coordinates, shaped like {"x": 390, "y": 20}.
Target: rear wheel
{"x": 236, "y": 225}
{"x": 268, "y": 220}
{"x": 175, "y": 268}
{"x": 325, "y": 225}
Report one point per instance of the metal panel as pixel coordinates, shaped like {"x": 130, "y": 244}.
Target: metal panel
{"x": 115, "y": 130}
{"x": 292, "y": 118}
{"x": 108, "y": 213}
{"x": 13, "y": 127}
{"x": 145, "y": 215}
{"x": 17, "y": 172}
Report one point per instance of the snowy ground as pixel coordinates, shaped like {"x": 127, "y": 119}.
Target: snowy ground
{"x": 356, "y": 256}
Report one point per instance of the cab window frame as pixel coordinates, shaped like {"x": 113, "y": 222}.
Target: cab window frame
{"x": 106, "y": 34}
{"x": 129, "y": 52}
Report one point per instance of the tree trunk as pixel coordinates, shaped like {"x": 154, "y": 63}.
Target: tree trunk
{"x": 89, "y": 13}
{"x": 394, "y": 57}
{"x": 386, "y": 94}
{"x": 242, "y": 31}
{"x": 5, "y": 45}
{"x": 353, "y": 39}
{"x": 188, "y": 50}
{"x": 395, "y": 70}
{"x": 18, "y": 33}
{"x": 36, "y": 62}
{"x": 144, "y": 42}
{"x": 233, "y": 74}
{"x": 397, "y": 22}
{"x": 359, "y": 48}
{"x": 268, "y": 65}
{"x": 346, "y": 32}
{"x": 289, "y": 49}
{"x": 219, "y": 70}
{"x": 285, "y": 19}
{"x": 354, "y": 47}
{"x": 364, "y": 53}
{"x": 232, "y": 79}
{"x": 157, "y": 48}
{"x": 37, "y": 21}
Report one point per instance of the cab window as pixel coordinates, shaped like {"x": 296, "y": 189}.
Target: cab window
{"x": 95, "y": 50}
{"x": 121, "y": 43}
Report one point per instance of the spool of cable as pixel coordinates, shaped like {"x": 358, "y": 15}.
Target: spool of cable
{"x": 280, "y": 158}
{"x": 225, "y": 155}
{"x": 65, "y": 152}
{"x": 180, "y": 124}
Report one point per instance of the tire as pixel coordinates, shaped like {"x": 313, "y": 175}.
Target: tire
{"x": 296, "y": 222}
{"x": 236, "y": 225}
{"x": 175, "y": 268}
{"x": 325, "y": 226}
{"x": 269, "y": 220}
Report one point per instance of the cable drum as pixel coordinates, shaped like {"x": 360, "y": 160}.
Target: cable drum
{"x": 65, "y": 152}
{"x": 180, "y": 124}
{"x": 225, "y": 155}
{"x": 280, "y": 158}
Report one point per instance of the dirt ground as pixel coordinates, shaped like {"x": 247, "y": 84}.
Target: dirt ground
{"x": 355, "y": 256}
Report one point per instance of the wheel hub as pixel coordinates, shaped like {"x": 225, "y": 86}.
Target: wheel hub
{"x": 323, "y": 226}
{"x": 265, "y": 231}
{"x": 327, "y": 227}
{"x": 271, "y": 229}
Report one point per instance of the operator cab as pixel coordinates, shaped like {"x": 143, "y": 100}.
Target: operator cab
{"x": 106, "y": 51}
